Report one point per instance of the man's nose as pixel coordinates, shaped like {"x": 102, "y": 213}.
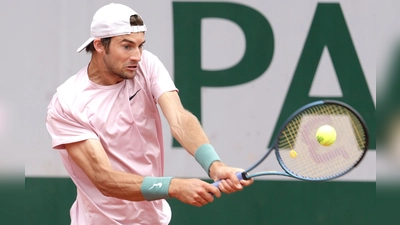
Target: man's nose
{"x": 136, "y": 55}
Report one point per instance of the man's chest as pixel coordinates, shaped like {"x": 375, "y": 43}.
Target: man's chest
{"x": 121, "y": 108}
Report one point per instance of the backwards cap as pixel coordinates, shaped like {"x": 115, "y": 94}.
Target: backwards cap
{"x": 112, "y": 20}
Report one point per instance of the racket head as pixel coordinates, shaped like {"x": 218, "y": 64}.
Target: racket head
{"x": 301, "y": 155}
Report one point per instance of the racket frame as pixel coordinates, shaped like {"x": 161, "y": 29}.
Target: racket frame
{"x": 246, "y": 175}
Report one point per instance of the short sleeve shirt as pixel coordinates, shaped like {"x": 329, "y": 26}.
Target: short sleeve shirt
{"x": 124, "y": 117}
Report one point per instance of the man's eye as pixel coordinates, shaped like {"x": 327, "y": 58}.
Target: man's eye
{"x": 127, "y": 47}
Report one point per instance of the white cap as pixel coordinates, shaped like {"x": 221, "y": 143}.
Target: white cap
{"x": 112, "y": 20}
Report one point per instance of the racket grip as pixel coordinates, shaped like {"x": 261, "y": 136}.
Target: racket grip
{"x": 239, "y": 175}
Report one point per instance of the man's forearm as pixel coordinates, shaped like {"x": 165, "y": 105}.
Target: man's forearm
{"x": 189, "y": 132}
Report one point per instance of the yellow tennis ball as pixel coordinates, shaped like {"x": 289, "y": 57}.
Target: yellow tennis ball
{"x": 326, "y": 135}
{"x": 293, "y": 153}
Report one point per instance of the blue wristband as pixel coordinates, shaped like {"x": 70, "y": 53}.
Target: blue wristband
{"x": 205, "y": 155}
{"x": 154, "y": 188}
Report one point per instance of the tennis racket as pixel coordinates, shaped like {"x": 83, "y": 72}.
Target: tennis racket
{"x": 300, "y": 154}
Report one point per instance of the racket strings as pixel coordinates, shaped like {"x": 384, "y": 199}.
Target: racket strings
{"x": 292, "y": 133}
{"x": 337, "y": 164}
{"x": 312, "y": 160}
{"x": 346, "y": 158}
{"x": 357, "y": 126}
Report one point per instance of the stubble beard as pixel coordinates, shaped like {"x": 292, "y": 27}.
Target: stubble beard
{"x": 113, "y": 69}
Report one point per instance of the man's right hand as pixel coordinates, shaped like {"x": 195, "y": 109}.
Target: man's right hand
{"x": 193, "y": 191}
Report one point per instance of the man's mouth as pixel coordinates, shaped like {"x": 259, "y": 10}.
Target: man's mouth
{"x": 132, "y": 67}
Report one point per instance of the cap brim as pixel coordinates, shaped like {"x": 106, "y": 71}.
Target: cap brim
{"x": 85, "y": 44}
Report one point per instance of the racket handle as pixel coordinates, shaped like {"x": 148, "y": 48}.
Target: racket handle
{"x": 239, "y": 175}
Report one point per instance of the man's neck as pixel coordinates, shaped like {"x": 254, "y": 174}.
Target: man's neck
{"x": 98, "y": 73}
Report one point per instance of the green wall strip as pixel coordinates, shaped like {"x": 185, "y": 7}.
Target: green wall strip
{"x": 265, "y": 202}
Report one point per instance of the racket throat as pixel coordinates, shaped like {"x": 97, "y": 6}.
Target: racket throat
{"x": 243, "y": 176}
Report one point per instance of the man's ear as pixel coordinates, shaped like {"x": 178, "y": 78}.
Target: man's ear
{"x": 98, "y": 46}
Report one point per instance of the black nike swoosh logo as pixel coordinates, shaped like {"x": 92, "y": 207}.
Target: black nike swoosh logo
{"x": 130, "y": 98}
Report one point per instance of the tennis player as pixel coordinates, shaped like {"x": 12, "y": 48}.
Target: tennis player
{"x": 106, "y": 123}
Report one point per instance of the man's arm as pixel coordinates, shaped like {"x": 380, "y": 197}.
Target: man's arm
{"x": 187, "y": 130}
{"x": 185, "y": 127}
{"x": 91, "y": 157}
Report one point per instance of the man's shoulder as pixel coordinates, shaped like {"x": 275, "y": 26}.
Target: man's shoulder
{"x": 147, "y": 55}
{"x": 69, "y": 90}
{"x": 149, "y": 61}
{"x": 72, "y": 83}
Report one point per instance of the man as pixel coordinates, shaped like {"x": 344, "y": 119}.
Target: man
{"x": 106, "y": 123}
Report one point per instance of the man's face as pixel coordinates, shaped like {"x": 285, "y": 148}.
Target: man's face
{"x": 124, "y": 54}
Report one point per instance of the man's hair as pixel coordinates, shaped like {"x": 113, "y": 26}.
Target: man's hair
{"x": 135, "y": 20}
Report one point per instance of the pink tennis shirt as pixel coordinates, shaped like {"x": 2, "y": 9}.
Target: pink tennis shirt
{"x": 125, "y": 118}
